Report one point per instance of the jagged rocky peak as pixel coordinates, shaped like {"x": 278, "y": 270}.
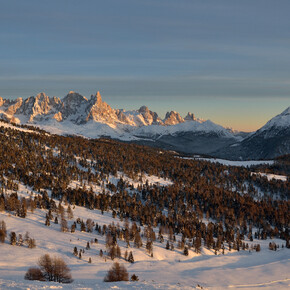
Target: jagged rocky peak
{"x": 72, "y": 104}
{"x": 99, "y": 97}
{"x": 1, "y": 102}
{"x": 73, "y": 97}
{"x": 100, "y": 111}
{"x": 42, "y": 97}
{"x": 190, "y": 117}
{"x": 37, "y": 106}
{"x": 97, "y": 100}
{"x": 149, "y": 116}
{"x": 173, "y": 118}
{"x": 98, "y": 103}
{"x": 13, "y": 106}
{"x": 143, "y": 109}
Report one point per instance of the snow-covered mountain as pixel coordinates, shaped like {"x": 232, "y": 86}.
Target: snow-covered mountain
{"x": 272, "y": 140}
{"x": 93, "y": 118}
{"x": 75, "y": 109}
{"x": 276, "y": 125}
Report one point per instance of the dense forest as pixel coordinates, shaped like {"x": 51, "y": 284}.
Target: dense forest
{"x": 235, "y": 202}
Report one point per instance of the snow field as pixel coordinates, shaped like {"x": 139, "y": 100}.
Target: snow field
{"x": 166, "y": 270}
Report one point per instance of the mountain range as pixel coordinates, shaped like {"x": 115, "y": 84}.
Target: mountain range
{"x": 94, "y": 118}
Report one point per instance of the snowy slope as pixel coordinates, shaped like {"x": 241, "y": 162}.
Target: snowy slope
{"x": 280, "y": 121}
{"x": 189, "y": 126}
{"x": 166, "y": 270}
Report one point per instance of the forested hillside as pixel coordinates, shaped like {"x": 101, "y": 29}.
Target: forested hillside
{"x": 188, "y": 206}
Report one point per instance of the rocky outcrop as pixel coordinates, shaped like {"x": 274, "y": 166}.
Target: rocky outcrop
{"x": 190, "y": 117}
{"x": 13, "y": 106}
{"x": 98, "y": 110}
{"x": 173, "y": 118}
{"x": 150, "y": 118}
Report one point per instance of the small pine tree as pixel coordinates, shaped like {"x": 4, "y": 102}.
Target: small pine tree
{"x": 90, "y": 260}
{"x": 73, "y": 228}
{"x": 185, "y": 251}
{"x": 31, "y": 243}
{"x": 112, "y": 252}
{"x": 3, "y": 231}
{"x": 47, "y": 221}
{"x": 167, "y": 245}
{"x": 118, "y": 251}
{"x": 70, "y": 214}
{"x": 75, "y": 252}
{"x": 130, "y": 257}
{"x": 64, "y": 226}
{"x": 13, "y": 238}
{"x": 83, "y": 227}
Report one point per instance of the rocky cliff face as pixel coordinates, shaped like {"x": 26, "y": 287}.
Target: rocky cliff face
{"x": 190, "y": 117}
{"x": 173, "y": 118}
{"x": 100, "y": 111}
{"x": 150, "y": 118}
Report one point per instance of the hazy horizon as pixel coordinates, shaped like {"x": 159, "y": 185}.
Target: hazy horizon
{"x": 227, "y": 61}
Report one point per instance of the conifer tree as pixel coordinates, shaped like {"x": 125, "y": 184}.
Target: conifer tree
{"x": 167, "y": 245}
{"x": 130, "y": 257}
{"x": 13, "y": 238}
{"x": 3, "y": 231}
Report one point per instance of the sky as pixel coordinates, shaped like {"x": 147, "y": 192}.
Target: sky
{"x": 227, "y": 60}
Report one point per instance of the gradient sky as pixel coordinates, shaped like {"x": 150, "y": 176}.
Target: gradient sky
{"x": 228, "y": 61}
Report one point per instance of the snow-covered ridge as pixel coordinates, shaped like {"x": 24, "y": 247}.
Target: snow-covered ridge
{"x": 280, "y": 121}
{"x": 189, "y": 126}
{"x": 95, "y": 118}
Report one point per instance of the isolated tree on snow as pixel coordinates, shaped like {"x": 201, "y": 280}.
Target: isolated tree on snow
{"x": 130, "y": 257}
{"x": 47, "y": 221}
{"x": 13, "y": 238}
{"x": 3, "y": 231}
{"x": 117, "y": 273}
{"x": 101, "y": 253}
{"x": 70, "y": 214}
{"x": 167, "y": 245}
{"x": 54, "y": 269}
